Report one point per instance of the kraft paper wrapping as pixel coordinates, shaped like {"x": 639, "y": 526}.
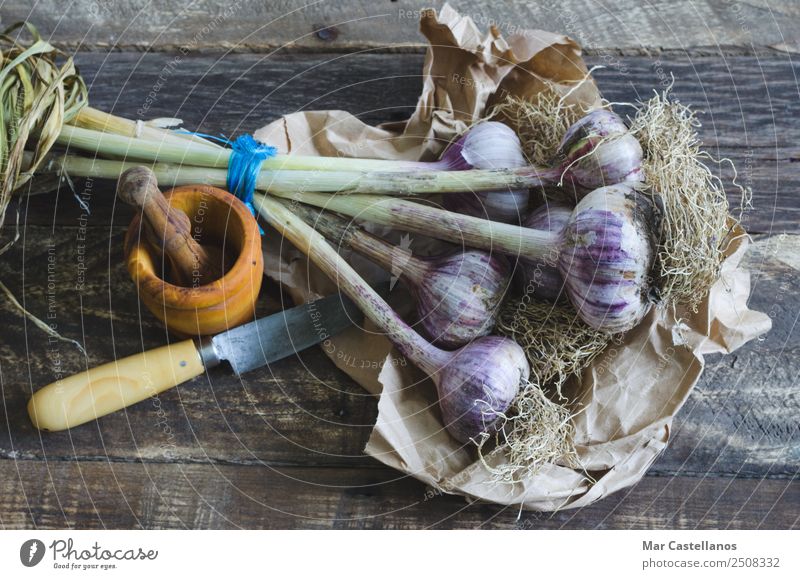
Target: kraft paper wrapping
{"x": 630, "y": 393}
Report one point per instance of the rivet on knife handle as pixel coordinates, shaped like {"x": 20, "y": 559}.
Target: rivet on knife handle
{"x": 99, "y": 391}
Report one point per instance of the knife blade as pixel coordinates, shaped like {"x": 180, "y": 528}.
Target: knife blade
{"x": 274, "y": 337}
{"x": 104, "y": 389}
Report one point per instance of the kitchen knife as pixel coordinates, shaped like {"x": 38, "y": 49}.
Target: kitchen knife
{"x": 99, "y": 391}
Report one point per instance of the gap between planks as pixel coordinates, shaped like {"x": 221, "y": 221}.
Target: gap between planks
{"x": 367, "y": 465}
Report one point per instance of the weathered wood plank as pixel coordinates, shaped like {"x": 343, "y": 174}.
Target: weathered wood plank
{"x": 85, "y": 495}
{"x": 253, "y": 25}
{"x": 740, "y": 420}
{"x": 750, "y": 108}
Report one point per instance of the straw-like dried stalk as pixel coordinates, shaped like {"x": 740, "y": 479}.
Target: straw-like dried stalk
{"x": 37, "y": 96}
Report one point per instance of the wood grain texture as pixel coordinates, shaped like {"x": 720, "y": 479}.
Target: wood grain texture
{"x": 83, "y": 397}
{"x": 170, "y": 231}
{"x": 58, "y": 494}
{"x": 344, "y": 25}
{"x": 749, "y": 108}
{"x": 223, "y": 451}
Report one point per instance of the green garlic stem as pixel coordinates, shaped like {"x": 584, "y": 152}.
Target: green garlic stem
{"x": 351, "y": 182}
{"x": 166, "y": 150}
{"x": 437, "y": 223}
{"x": 97, "y": 120}
{"x": 160, "y": 146}
{"x": 339, "y": 232}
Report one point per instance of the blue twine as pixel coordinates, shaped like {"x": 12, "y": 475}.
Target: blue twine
{"x": 244, "y": 165}
{"x": 221, "y": 139}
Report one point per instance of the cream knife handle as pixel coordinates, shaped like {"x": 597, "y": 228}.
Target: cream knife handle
{"x": 99, "y": 391}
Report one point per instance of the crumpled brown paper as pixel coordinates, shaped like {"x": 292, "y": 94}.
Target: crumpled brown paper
{"x": 630, "y": 393}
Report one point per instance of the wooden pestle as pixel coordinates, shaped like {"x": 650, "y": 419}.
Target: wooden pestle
{"x": 168, "y": 229}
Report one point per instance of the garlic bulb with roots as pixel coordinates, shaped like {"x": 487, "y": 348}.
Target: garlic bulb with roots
{"x": 488, "y": 145}
{"x": 458, "y": 294}
{"x": 607, "y": 254}
{"x": 476, "y": 384}
{"x": 604, "y": 254}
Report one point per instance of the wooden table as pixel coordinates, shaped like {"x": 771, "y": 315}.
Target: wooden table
{"x": 200, "y": 457}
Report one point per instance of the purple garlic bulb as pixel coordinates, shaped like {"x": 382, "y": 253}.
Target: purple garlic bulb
{"x": 458, "y": 295}
{"x": 478, "y": 383}
{"x": 607, "y": 253}
{"x": 488, "y": 145}
{"x": 598, "y": 151}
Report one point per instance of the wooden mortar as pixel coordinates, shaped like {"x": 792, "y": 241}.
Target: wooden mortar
{"x": 197, "y": 310}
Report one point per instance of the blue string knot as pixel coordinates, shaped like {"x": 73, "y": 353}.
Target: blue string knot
{"x": 244, "y": 165}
